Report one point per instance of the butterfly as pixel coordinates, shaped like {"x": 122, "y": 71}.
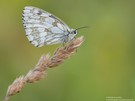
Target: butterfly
{"x": 43, "y": 28}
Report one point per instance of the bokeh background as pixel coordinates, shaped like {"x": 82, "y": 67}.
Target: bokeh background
{"x": 104, "y": 65}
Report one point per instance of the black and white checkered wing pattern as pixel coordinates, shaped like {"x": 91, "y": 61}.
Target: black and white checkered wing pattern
{"x": 43, "y": 28}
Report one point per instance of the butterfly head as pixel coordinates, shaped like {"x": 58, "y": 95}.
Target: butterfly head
{"x": 73, "y": 32}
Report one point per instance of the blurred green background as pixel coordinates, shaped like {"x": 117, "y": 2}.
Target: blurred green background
{"x": 104, "y": 65}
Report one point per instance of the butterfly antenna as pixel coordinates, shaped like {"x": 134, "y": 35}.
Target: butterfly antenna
{"x": 82, "y": 27}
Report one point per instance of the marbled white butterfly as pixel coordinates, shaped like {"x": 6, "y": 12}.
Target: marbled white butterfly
{"x": 43, "y": 28}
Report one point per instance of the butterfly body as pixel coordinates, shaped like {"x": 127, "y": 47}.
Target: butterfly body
{"x": 43, "y": 28}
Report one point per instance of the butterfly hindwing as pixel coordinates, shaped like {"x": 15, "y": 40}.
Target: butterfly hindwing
{"x": 43, "y": 28}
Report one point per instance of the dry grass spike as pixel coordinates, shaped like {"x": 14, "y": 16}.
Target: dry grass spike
{"x": 45, "y": 62}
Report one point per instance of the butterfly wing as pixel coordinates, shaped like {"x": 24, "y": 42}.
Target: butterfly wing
{"x": 43, "y": 28}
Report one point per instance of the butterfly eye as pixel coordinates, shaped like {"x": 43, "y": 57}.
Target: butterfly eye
{"x": 75, "y": 32}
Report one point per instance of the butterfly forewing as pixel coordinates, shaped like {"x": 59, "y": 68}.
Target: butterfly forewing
{"x": 43, "y": 28}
